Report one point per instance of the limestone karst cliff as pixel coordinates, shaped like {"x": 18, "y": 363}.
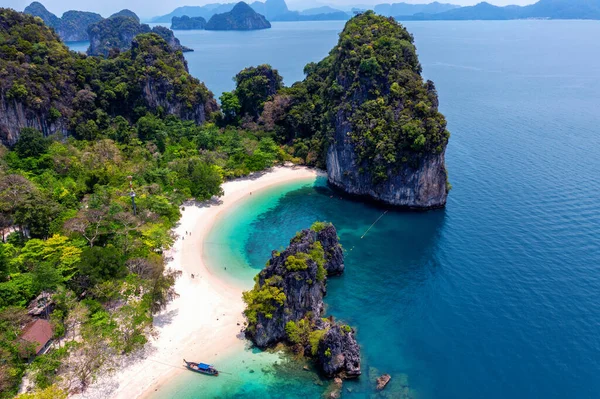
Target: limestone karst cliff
{"x": 57, "y": 91}
{"x": 366, "y": 115}
{"x": 387, "y": 139}
{"x": 286, "y": 303}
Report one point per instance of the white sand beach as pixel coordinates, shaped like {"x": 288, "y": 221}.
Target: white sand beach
{"x": 204, "y": 322}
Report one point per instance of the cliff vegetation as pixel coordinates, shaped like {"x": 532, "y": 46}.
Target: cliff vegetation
{"x": 286, "y": 303}
{"x": 187, "y": 23}
{"x": 68, "y": 227}
{"x": 366, "y": 114}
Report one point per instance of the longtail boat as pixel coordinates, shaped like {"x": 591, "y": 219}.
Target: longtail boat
{"x": 201, "y": 368}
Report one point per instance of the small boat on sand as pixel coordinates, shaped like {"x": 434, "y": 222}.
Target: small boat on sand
{"x": 201, "y": 368}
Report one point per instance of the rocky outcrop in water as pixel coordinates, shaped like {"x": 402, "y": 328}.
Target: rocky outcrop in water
{"x": 389, "y": 140}
{"x": 187, "y": 23}
{"x": 366, "y": 115}
{"x": 241, "y": 17}
{"x": 286, "y": 303}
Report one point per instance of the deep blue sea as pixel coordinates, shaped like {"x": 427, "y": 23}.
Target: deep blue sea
{"x": 498, "y": 295}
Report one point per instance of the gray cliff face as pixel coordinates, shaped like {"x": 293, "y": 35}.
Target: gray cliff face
{"x": 339, "y": 354}
{"x": 14, "y": 116}
{"x": 420, "y": 184}
{"x": 155, "y": 95}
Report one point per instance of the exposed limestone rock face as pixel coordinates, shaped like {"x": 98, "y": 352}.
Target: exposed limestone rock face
{"x": 419, "y": 185}
{"x": 387, "y": 139}
{"x": 286, "y": 303}
{"x": 338, "y": 353}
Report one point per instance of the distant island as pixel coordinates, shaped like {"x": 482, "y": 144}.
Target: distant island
{"x": 72, "y": 27}
{"x": 187, "y": 23}
{"x": 241, "y": 17}
{"x": 543, "y": 9}
{"x": 277, "y": 10}
{"x": 105, "y": 35}
{"x": 116, "y": 33}
{"x": 273, "y": 10}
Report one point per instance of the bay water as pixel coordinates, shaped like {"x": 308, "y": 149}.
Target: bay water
{"x": 496, "y": 296}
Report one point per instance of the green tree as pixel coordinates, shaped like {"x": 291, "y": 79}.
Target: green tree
{"x": 31, "y": 143}
{"x": 254, "y": 86}
{"x": 230, "y": 106}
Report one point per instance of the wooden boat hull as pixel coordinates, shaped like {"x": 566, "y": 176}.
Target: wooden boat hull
{"x": 201, "y": 368}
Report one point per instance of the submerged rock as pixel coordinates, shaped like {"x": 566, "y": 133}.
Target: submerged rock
{"x": 383, "y": 381}
{"x": 287, "y": 302}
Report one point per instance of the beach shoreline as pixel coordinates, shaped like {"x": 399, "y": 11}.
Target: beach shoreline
{"x": 204, "y": 322}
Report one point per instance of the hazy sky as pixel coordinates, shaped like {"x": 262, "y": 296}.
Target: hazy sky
{"x": 149, "y": 8}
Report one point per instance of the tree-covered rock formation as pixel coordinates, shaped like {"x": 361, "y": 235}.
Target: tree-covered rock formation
{"x": 126, "y": 13}
{"x": 286, "y": 302}
{"x": 74, "y": 24}
{"x": 37, "y": 9}
{"x": 115, "y": 34}
{"x": 241, "y": 17}
{"x": 366, "y": 114}
{"x": 46, "y": 87}
{"x": 187, "y": 23}
{"x": 71, "y": 27}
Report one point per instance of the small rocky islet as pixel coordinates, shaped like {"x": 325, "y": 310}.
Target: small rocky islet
{"x": 286, "y": 303}
{"x": 241, "y": 17}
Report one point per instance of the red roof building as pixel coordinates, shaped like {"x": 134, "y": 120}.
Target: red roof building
{"x": 39, "y": 333}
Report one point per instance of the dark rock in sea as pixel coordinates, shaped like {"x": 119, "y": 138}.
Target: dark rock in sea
{"x": 338, "y": 353}
{"x": 241, "y": 17}
{"x": 286, "y": 303}
{"x": 187, "y": 23}
{"x": 383, "y": 381}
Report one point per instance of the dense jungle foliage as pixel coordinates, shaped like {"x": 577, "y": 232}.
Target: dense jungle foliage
{"x": 66, "y": 215}
{"x": 84, "y": 93}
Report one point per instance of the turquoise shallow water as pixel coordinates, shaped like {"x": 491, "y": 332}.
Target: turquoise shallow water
{"x": 497, "y": 295}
